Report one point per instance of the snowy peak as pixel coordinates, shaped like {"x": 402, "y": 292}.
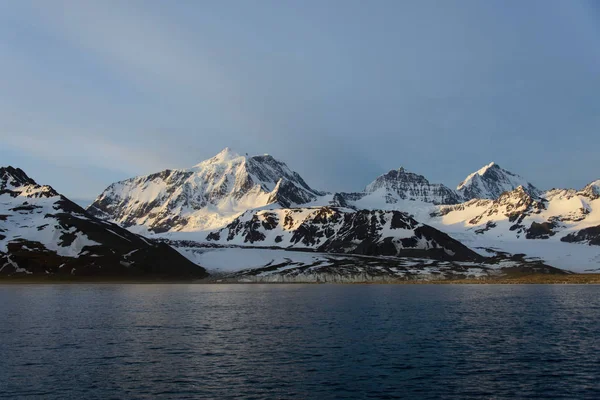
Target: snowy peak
{"x": 491, "y": 181}
{"x": 208, "y": 195}
{"x": 591, "y": 191}
{"x": 484, "y": 169}
{"x": 224, "y": 156}
{"x": 11, "y": 178}
{"x": 396, "y": 176}
{"x": 405, "y": 185}
{"x": 15, "y": 182}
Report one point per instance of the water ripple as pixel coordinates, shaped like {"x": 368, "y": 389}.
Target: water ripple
{"x": 299, "y": 341}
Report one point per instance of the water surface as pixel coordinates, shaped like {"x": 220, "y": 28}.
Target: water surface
{"x": 73, "y": 341}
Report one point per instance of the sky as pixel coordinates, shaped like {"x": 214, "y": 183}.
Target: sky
{"x": 92, "y": 92}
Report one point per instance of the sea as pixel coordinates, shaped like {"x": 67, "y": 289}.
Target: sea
{"x": 252, "y": 341}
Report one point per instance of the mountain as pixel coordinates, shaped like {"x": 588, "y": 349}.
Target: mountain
{"x": 406, "y": 191}
{"x": 205, "y": 196}
{"x": 492, "y": 211}
{"x": 42, "y": 233}
{"x": 340, "y": 230}
{"x": 398, "y": 189}
{"x": 519, "y": 215}
{"x": 491, "y": 181}
{"x": 402, "y": 184}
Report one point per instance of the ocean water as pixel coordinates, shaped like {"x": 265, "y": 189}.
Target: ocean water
{"x": 102, "y": 341}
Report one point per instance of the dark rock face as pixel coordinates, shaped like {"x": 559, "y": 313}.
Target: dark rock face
{"x": 45, "y": 234}
{"x": 541, "y": 231}
{"x": 249, "y": 231}
{"x": 287, "y": 194}
{"x": 489, "y": 225}
{"x": 339, "y": 230}
{"x": 589, "y": 235}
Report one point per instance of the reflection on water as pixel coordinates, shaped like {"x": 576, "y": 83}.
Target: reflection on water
{"x": 299, "y": 341}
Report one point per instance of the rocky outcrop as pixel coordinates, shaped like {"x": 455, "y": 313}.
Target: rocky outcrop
{"x": 589, "y": 235}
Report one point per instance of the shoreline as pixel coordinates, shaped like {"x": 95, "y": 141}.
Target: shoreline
{"x": 546, "y": 279}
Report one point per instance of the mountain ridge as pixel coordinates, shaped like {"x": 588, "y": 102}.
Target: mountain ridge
{"x": 228, "y": 192}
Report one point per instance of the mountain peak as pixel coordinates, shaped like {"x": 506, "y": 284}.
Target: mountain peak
{"x": 402, "y": 184}
{"x": 481, "y": 172}
{"x": 227, "y": 154}
{"x": 591, "y": 190}
{"x": 211, "y": 193}
{"x": 491, "y": 181}
{"x": 487, "y": 167}
{"x": 394, "y": 177}
{"x": 11, "y": 177}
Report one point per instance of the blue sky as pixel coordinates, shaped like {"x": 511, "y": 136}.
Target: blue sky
{"x": 94, "y": 92}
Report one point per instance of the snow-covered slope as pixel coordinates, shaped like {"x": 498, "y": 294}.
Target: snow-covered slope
{"x": 517, "y": 214}
{"x": 562, "y": 218}
{"x": 277, "y": 265}
{"x": 342, "y": 230}
{"x": 208, "y": 195}
{"x": 491, "y": 181}
{"x": 44, "y": 233}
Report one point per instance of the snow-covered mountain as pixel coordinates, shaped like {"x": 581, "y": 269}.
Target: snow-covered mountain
{"x": 400, "y": 190}
{"x": 44, "y": 233}
{"x": 560, "y": 225}
{"x": 406, "y": 191}
{"x": 333, "y": 244}
{"x": 491, "y": 209}
{"x": 342, "y": 230}
{"x": 518, "y": 214}
{"x": 490, "y": 182}
{"x": 402, "y": 184}
{"x": 208, "y": 195}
